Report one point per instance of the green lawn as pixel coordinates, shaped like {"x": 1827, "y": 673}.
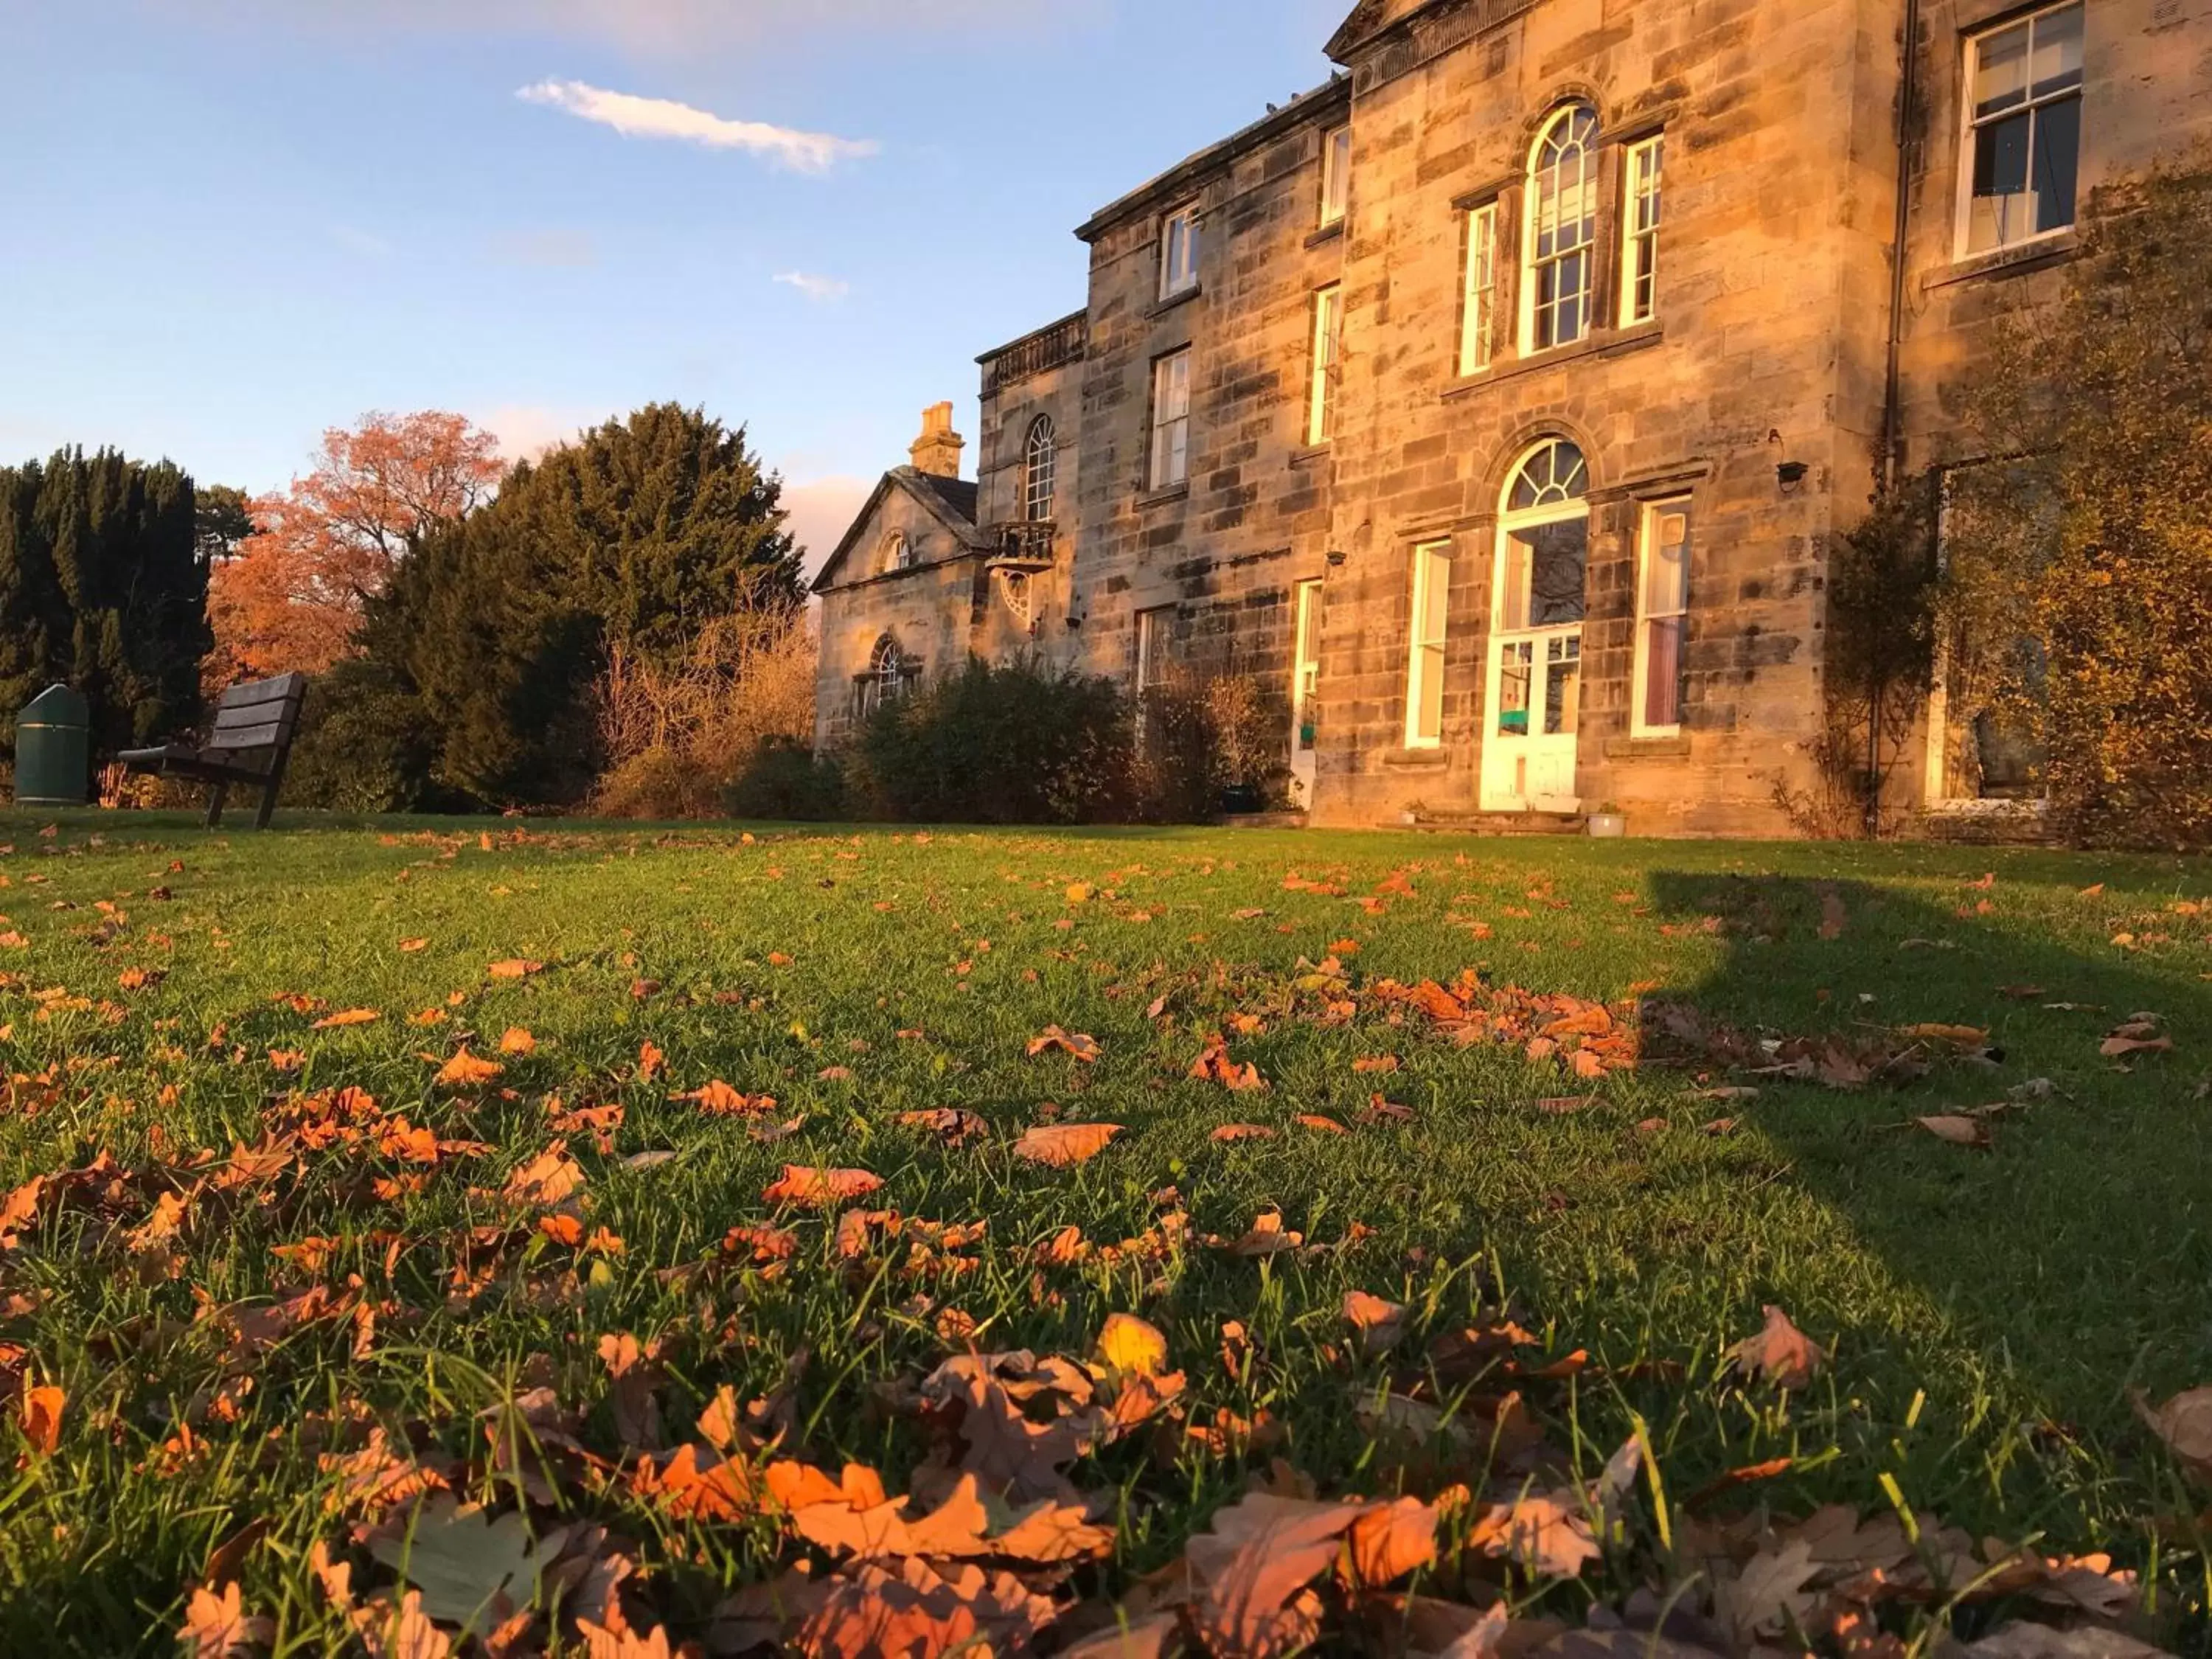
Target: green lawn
{"x": 1989, "y": 1311}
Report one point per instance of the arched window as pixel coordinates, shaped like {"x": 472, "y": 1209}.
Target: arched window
{"x": 1559, "y": 259}
{"x": 887, "y": 674}
{"x": 1040, "y": 470}
{"x": 898, "y": 551}
{"x": 1543, "y": 561}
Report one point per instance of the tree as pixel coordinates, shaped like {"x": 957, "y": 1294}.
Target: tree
{"x": 223, "y": 517}
{"x": 2078, "y": 595}
{"x": 103, "y": 586}
{"x": 630, "y": 541}
{"x": 292, "y": 596}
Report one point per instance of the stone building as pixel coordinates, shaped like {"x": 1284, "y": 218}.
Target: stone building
{"x": 1498, "y": 400}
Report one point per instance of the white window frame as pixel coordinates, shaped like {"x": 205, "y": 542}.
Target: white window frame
{"x": 1974, "y": 122}
{"x": 1428, "y": 629}
{"x": 1328, "y": 364}
{"x": 1179, "y": 251}
{"x": 1549, "y": 189}
{"x": 1478, "y": 329}
{"x": 1335, "y": 175}
{"x": 1171, "y": 445}
{"x": 1642, "y": 197}
{"x": 1652, "y": 609}
{"x": 1039, "y": 470}
{"x": 1306, "y": 661}
{"x": 898, "y": 551}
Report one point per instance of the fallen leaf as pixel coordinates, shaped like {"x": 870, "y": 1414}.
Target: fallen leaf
{"x": 1084, "y": 1048}
{"x": 552, "y": 1177}
{"x": 954, "y": 1125}
{"x": 468, "y": 1071}
{"x": 472, "y": 1570}
{"x": 351, "y": 1017}
{"x": 1958, "y": 1131}
{"x": 518, "y": 1041}
{"x": 1780, "y": 1353}
{"x": 218, "y": 1626}
{"x": 1266, "y": 1237}
{"x": 515, "y": 968}
{"x": 1227, "y": 1132}
{"x": 41, "y": 1417}
{"x": 410, "y": 946}
{"x": 815, "y": 1189}
{"x": 1131, "y": 1345}
{"x": 1059, "y": 1145}
{"x": 1380, "y": 1323}
{"x": 1214, "y": 1064}
{"x": 1328, "y": 1126}
{"x": 2184, "y": 1424}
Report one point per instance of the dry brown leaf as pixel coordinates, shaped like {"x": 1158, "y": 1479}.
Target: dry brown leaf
{"x": 1958, "y": 1131}
{"x": 2184, "y": 1424}
{"x": 1214, "y": 1065}
{"x": 518, "y": 1041}
{"x": 351, "y": 1017}
{"x": 217, "y": 1626}
{"x": 1328, "y": 1126}
{"x": 1084, "y": 1048}
{"x": 1266, "y": 1237}
{"x": 1780, "y": 1353}
{"x": 1060, "y": 1145}
{"x": 1546, "y": 1532}
{"x": 552, "y": 1177}
{"x": 1229, "y": 1132}
{"x": 718, "y": 1099}
{"x": 1380, "y": 1323}
{"x": 955, "y": 1126}
{"x": 1389, "y": 1540}
{"x": 815, "y": 1189}
{"x": 515, "y": 968}
{"x": 1255, "y": 1605}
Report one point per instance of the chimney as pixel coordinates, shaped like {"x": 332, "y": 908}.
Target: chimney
{"x": 937, "y": 452}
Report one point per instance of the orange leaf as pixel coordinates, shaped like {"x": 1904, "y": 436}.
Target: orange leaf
{"x": 650, "y": 1061}
{"x": 1243, "y": 1132}
{"x": 1084, "y": 1048}
{"x": 410, "y": 946}
{"x": 718, "y": 1099}
{"x": 351, "y": 1017}
{"x": 1781, "y": 1354}
{"x": 1326, "y": 1125}
{"x": 41, "y": 1418}
{"x": 815, "y": 1189}
{"x": 1059, "y": 1145}
{"x": 466, "y": 1071}
{"x": 518, "y": 1041}
{"x": 515, "y": 968}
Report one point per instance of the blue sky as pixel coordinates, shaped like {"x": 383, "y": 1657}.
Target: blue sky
{"x": 231, "y": 223}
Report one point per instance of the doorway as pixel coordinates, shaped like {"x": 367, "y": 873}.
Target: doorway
{"x": 1538, "y": 602}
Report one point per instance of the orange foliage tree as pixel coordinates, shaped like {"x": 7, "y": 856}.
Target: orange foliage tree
{"x": 291, "y": 597}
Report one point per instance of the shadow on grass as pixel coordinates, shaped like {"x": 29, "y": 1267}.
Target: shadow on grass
{"x": 2073, "y": 1254}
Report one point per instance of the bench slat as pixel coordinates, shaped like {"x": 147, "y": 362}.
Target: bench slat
{"x": 256, "y": 692}
{"x": 268, "y": 735}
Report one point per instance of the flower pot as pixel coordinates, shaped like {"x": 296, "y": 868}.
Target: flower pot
{"x": 1242, "y": 799}
{"x": 1607, "y": 826}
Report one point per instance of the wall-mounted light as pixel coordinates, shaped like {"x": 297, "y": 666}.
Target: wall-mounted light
{"x": 1336, "y": 560}
{"x": 1791, "y": 473}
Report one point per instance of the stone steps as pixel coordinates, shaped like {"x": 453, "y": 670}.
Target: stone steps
{"x": 1503, "y": 823}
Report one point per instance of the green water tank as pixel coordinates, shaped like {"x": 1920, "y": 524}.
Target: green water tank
{"x": 53, "y": 750}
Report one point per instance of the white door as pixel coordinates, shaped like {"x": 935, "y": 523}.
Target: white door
{"x": 1533, "y": 699}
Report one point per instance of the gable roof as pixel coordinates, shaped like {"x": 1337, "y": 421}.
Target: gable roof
{"x": 1368, "y": 19}
{"x": 951, "y": 501}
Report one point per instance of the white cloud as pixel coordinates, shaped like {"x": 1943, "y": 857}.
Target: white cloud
{"x": 662, "y": 118}
{"x": 818, "y": 288}
{"x": 821, "y": 512}
{"x": 526, "y": 431}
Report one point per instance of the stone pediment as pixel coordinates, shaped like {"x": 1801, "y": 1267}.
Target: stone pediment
{"x": 1368, "y": 19}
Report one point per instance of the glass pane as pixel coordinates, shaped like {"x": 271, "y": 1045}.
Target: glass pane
{"x": 2056, "y": 64}
{"x": 1558, "y": 554}
{"x": 1662, "y": 672}
{"x": 1519, "y": 559}
{"x": 1667, "y": 564}
{"x": 2000, "y": 70}
{"x": 1513, "y": 688}
{"x": 2000, "y": 203}
{"x": 1436, "y": 599}
{"x": 2057, "y": 156}
{"x": 1563, "y": 687}
{"x": 1432, "y": 693}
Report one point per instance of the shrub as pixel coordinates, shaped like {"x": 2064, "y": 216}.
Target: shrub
{"x": 1017, "y": 744}
{"x": 1206, "y": 734}
{"x": 787, "y": 781}
{"x": 363, "y": 745}
{"x": 680, "y": 733}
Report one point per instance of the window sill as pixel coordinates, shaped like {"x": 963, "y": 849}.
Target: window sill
{"x": 1329, "y": 233}
{"x": 1427, "y": 757}
{"x": 1312, "y": 453}
{"x": 1173, "y": 301}
{"x": 2038, "y": 254}
{"x": 1671, "y": 745}
{"x": 1608, "y": 342}
{"x": 1162, "y": 496}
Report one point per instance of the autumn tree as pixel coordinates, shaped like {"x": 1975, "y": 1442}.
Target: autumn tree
{"x": 2078, "y": 594}
{"x": 291, "y": 597}
{"x": 103, "y": 586}
{"x": 491, "y": 642}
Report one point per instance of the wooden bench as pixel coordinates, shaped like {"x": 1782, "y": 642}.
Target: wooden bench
{"x": 248, "y": 745}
